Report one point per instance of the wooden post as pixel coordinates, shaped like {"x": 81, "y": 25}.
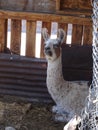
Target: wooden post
{"x": 30, "y": 38}
{"x": 77, "y": 33}
{"x": 3, "y": 34}
{"x": 15, "y": 36}
{"x": 57, "y": 5}
{"x": 87, "y": 35}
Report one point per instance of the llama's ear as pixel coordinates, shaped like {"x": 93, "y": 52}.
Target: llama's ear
{"x": 45, "y": 34}
{"x": 61, "y": 35}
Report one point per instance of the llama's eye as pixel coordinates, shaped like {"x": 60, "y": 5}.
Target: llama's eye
{"x": 56, "y": 45}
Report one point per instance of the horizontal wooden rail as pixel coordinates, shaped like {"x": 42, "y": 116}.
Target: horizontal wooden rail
{"x": 5, "y": 14}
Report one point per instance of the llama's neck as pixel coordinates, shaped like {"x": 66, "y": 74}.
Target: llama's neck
{"x": 54, "y": 69}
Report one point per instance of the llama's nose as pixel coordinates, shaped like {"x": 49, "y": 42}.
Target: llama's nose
{"x": 47, "y": 48}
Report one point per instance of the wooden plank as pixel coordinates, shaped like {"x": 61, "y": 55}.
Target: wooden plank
{"x": 48, "y": 6}
{"x": 30, "y": 38}
{"x": 46, "y": 17}
{"x": 84, "y": 4}
{"x": 77, "y": 33}
{"x": 64, "y": 27}
{"x": 76, "y": 4}
{"x": 29, "y": 5}
{"x": 15, "y": 36}
{"x": 69, "y": 4}
{"x": 44, "y": 6}
{"x": 57, "y": 5}
{"x": 48, "y": 26}
{"x": 3, "y": 34}
{"x": 78, "y": 7}
{"x": 75, "y": 13}
{"x": 87, "y": 35}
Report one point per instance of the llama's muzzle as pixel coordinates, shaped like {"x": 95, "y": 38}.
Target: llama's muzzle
{"x": 48, "y": 51}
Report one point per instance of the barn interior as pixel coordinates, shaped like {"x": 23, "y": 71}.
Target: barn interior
{"x": 22, "y": 61}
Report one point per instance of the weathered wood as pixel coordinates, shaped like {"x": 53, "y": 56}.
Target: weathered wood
{"x": 65, "y": 28}
{"x": 15, "y": 36}
{"x": 77, "y": 33}
{"x": 87, "y": 35}
{"x": 57, "y": 5}
{"x": 81, "y": 8}
{"x": 68, "y": 4}
{"x": 77, "y": 4}
{"x": 75, "y": 13}
{"x": 3, "y": 34}
{"x": 84, "y": 4}
{"x": 30, "y": 38}
{"x": 45, "y": 17}
{"x": 48, "y": 26}
{"x": 44, "y": 6}
{"x": 29, "y": 5}
{"x": 53, "y": 6}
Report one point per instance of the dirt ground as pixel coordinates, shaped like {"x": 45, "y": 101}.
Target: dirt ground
{"x": 26, "y": 116}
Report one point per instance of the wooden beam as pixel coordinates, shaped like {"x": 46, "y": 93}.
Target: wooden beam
{"x": 72, "y": 12}
{"x": 29, "y": 5}
{"x": 45, "y": 17}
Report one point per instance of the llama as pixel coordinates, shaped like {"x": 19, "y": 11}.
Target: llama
{"x": 69, "y": 96}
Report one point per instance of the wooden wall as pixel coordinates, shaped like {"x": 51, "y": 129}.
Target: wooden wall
{"x": 78, "y": 6}
{"x": 48, "y": 6}
{"x": 81, "y": 29}
{"x": 29, "y": 5}
{"x": 63, "y": 12}
{"x": 75, "y": 4}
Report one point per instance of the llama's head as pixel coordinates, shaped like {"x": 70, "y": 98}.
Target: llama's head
{"x": 52, "y": 46}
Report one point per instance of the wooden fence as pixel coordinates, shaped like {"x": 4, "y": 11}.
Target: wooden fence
{"x": 81, "y": 29}
{"x": 62, "y": 12}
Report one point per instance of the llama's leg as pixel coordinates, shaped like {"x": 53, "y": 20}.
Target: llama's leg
{"x": 60, "y": 117}
{"x": 60, "y": 114}
{"x": 55, "y": 109}
{"x": 63, "y": 116}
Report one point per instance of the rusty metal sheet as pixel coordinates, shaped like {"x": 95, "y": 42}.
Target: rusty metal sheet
{"x": 24, "y": 77}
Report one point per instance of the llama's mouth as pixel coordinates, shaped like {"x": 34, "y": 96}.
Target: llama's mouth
{"x": 48, "y": 52}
